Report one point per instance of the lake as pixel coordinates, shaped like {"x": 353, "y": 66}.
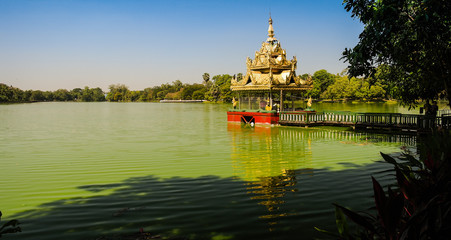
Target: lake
{"x": 86, "y": 170}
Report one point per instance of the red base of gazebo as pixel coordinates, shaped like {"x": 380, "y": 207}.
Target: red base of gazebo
{"x": 253, "y": 117}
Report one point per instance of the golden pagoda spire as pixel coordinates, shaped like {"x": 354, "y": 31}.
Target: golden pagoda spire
{"x": 270, "y": 69}
{"x": 270, "y": 30}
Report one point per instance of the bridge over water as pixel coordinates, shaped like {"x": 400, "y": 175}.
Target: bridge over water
{"x": 377, "y": 121}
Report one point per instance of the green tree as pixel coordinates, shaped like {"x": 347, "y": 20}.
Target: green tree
{"x": 17, "y": 95}
{"x": 220, "y": 89}
{"x": 206, "y": 77}
{"x": 48, "y": 96}
{"x": 76, "y": 94}
{"x": 62, "y": 95}
{"x": 162, "y": 94}
{"x": 199, "y": 94}
{"x": 27, "y": 95}
{"x": 321, "y": 81}
{"x": 226, "y": 93}
{"x": 188, "y": 91}
{"x": 213, "y": 93}
{"x": 133, "y": 96}
{"x": 147, "y": 95}
{"x": 173, "y": 95}
{"x": 117, "y": 93}
{"x": 37, "y": 96}
{"x": 412, "y": 37}
{"x": 92, "y": 95}
{"x": 354, "y": 88}
{"x": 98, "y": 95}
{"x": 337, "y": 90}
{"x": 380, "y": 78}
{"x": 86, "y": 95}
{"x": 177, "y": 86}
{"x": 5, "y": 93}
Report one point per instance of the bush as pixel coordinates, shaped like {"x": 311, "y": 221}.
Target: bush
{"x": 419, "y": 207}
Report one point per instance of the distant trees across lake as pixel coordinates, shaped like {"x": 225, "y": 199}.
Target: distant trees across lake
{"x": 217, "y": 89}
{"x": 10, "y": 94}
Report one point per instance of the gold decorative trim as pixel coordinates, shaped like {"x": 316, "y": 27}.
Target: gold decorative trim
{"x": 270, "y": 69}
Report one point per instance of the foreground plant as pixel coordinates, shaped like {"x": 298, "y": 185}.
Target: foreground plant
{"x": 9, "y": 227}
{"x": 420, "y": 206}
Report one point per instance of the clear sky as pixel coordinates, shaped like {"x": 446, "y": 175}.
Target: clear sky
{"x": 53, "y": 44}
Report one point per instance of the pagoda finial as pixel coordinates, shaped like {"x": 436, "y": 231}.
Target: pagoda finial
{"x": 270, "y": 28}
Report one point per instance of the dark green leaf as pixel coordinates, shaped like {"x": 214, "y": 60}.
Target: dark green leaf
{"x": 328, "y": 233}
{"x": 357, "y": 218}
{"x": 389, "y": 159}
{"x": 413, "y": 161}
{"x": 404, "y": 184}
{"x": 342, "y": 224}
{"x": 380, "y": 200}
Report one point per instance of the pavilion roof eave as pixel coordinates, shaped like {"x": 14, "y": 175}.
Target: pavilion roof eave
{"x": 275, "y": 67}
{"x": 291, "y": 88}
{"x": 272, "y": 88}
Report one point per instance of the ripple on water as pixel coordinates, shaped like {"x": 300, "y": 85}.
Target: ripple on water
{"x": 81, "y": 170}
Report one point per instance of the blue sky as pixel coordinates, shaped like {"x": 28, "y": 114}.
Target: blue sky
{"x": 53, "y": 44}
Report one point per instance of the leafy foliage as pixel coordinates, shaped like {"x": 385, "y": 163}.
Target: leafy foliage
{"x": 331, "y": 86}
{"x": 321, "y": 81}
{"x": 420, "y": 206}
{"x": 413, "y": 40}
{"x": 118, "y": 93}
{"x": 220, "y": 91}
{"x": 217, "y": 89}
{"x": 206, "y": 77}
{"x": 326, "y": 85}
{"x": 189, "y": 90}
{"x": 10, "y": 94}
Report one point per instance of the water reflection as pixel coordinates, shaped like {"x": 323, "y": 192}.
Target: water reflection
{"x": 273, "y": 160}
{"x": 263, "y": 151}
{"x": 271, "y": 192}
{"x": 266, "y": 158}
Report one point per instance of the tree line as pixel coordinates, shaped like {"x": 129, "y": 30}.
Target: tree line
{"x": 343, "y": 87}
{"x": 217, "y": 89}
{"x": 10, "y": 94}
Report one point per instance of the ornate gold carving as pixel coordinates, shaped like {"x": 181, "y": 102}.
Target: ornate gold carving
{"x": 269, "y": 69}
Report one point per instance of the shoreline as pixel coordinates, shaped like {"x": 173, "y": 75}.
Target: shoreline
{"x": 182, "y": 101}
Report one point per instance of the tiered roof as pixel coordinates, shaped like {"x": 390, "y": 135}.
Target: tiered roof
{"x": 270, "y": 69}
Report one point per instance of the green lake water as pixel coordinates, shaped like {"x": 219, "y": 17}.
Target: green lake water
{"x": 85, "y": 170}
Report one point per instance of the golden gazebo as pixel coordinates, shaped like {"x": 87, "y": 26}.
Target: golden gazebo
{"x": 269, "y": 81}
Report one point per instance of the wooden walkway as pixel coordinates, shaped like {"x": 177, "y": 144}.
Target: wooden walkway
{"x": 377, "y": 121}
{"x": 181, "y": 101}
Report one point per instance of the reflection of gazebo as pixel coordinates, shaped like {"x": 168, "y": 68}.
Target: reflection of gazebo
{"x": 263, "y": 157}
{"x": 269, "y": 77}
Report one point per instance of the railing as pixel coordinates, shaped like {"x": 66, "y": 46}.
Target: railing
{"x": 316, "y": 117}
{"x": 379, "y": 120}
{"x": 306, "y": 117}
{"x": 442, "y": 112}
{"x": 446, "y": 121}
{"x": 407, "y": 121}
{"x": 340, "y": 117}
